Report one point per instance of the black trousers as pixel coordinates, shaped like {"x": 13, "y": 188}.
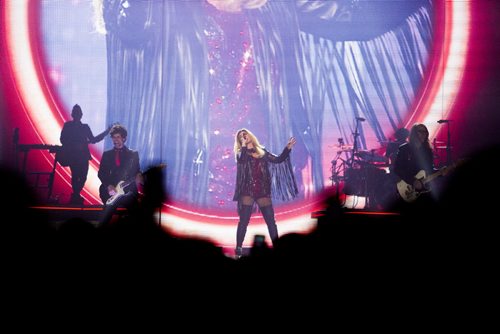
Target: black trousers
{"x": 245, "y": 212}
{"x": 127, "y": 200}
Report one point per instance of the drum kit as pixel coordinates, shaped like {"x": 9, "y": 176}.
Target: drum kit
{"x": 365, "y": 174}
{"x": 361, "y": 172}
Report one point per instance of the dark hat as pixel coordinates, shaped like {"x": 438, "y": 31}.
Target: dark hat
{"x": 401, "y": 133}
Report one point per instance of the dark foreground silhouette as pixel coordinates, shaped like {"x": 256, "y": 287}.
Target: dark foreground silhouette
{"x": 443, "y": 254}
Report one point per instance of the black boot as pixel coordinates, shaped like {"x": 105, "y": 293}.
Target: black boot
{"x": 245, "y": 212}
{"x": 238, "y": 252}
{"x": 268, "y": 214}
{"x": 76, "y": 199}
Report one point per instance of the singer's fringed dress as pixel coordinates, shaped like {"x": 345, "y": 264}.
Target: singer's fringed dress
{"x": 270, "y": 176}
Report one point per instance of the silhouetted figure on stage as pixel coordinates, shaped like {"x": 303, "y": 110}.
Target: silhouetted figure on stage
{"x": 414, "y": 162}
{"x": 119, "y": 173}
{"x": 391, "y": 151}
{"x": 75, "y": 138}
{"x": 257, "y": 172}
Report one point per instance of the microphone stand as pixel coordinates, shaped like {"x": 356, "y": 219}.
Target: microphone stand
{"x": 354, "y": 151}
{"x": 334, "y": 172}
{"x": 448, "y": 146}
{"x": 355, "y": 143}
{"x": 449, "y": 160}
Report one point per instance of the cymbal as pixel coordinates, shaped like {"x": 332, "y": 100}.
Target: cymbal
{"x": 345, "y": 148}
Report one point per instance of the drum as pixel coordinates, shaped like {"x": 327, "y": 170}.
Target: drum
{"x": 374, "y": 176}
{"x": 354, "y": 182}
{"x": 364, "y": 181}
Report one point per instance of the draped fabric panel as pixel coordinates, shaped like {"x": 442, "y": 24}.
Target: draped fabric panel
{"x": 310, "y": 60}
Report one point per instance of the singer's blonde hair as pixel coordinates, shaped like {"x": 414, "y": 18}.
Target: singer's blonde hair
{"x": 259, "y": 149}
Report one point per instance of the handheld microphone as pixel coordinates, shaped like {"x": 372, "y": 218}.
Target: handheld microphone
{"x": 444, "y": 121}
{"x": 361, "y": 119}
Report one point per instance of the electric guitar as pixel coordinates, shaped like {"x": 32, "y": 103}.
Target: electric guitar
{"x": 409, "y": 194}
{"x": 119, "y": 189}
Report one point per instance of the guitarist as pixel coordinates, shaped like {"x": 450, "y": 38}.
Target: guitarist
{"x": 119, "y": 164}
{"x": 414, "y": 156}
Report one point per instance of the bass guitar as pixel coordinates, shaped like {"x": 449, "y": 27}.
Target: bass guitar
{"x": 119, "y": 190}
{"x": 408, "y": 192}
{"x": 120, "y": 187}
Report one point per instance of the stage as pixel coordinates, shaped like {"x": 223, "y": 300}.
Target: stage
{"x": 58, "y": 215}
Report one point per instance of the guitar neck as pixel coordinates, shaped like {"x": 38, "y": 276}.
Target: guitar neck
{"x": 433, "y": 176}
{"x": 442, "y": 170}
{"x": 129, "y": 181}
{"x": 126, "y": 183}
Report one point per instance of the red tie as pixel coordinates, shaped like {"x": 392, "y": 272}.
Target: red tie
{"x": 117, "y": 158}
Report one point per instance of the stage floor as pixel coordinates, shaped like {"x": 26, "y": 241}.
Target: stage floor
{"x": 59, "y": 214}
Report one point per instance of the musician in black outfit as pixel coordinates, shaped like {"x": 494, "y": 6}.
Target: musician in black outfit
{"x": 119, "y": 173}
{"x": 391, "y": 151}
{"x": 414, "y": 156}
{"x": 75, "y": 138}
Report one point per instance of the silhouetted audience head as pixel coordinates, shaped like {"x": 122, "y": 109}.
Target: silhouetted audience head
{"x": 472, "y": 188}
{"x": 17, "y": 205}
